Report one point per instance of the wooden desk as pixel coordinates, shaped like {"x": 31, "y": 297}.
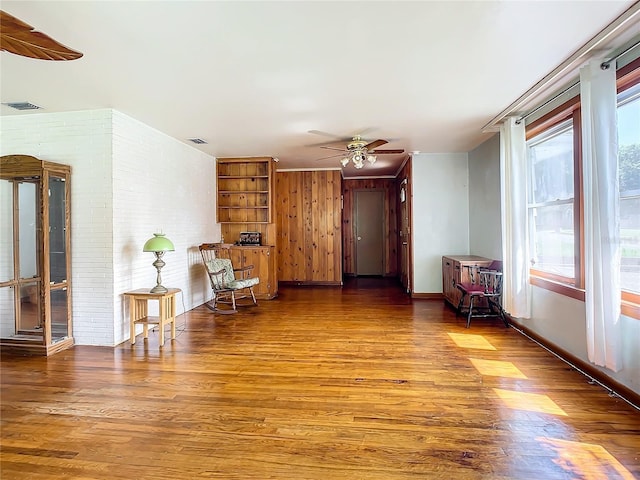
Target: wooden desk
{"x": 138, "y": 300}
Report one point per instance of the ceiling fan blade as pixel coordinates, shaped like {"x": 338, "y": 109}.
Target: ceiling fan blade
{"x": 376, "y": 143}
{"x": 382, "y": 152}
{"x": 21, "y": 39}
{"x": 331, "y": 156}
{"x": 334, "y": 148}
{"x": 326, "y": 134}
{"x": 362, "y": 132}
{"x": 330, "y": 142}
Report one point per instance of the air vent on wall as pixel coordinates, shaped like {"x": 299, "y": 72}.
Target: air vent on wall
{"x": 22, "y": 105}
{"x": 198, "y": 141}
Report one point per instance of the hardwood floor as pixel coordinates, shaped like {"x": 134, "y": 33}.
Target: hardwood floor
{"x": 320, "y": 383}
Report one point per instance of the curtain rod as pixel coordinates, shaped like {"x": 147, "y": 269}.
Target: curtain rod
{"x": 524, "y": 117}
{"x": 603, "y": 66}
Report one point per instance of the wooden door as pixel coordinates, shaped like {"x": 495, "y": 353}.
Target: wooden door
{"x": 369, "y": 223}
{"x": 405, "y": 236}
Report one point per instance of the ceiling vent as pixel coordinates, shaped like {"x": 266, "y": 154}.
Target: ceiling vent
{"x": 197, "y": 141}
{"x": 22, "y": 106}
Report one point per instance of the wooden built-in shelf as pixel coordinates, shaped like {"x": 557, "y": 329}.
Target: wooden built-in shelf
{"x": 245, "y": 189}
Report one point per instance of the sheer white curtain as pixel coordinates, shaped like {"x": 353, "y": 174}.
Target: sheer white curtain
{"x": 513, "y": 185}
{"x": 601, "y": 213}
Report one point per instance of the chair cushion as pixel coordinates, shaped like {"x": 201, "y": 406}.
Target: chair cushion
{"x": 471, "y": 288}
{"x": 228, "y": 280}
{"x": 244, "y": 283}
{"x": 217, "y": 264}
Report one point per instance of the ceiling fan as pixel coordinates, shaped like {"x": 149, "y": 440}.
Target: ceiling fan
{"x": 358, "y": 150}
{"x": 21, "y": 39}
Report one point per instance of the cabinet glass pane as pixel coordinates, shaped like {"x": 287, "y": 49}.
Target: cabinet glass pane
{"x": 7, "y": 312}
{"x": 27, "y": 229}
{"x": 57, "y": 230}
{"x": 59, "y": 315}
{"x": 6, "y": 231}
{"x": 30, "y": 318}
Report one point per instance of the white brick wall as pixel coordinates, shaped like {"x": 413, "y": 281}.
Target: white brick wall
{"x": 159, "y": 184}
{"x": 82, "y": 140}
{"x": 127, "y": 181}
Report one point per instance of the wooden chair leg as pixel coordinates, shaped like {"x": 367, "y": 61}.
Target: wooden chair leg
{"x": 470, "y": 311}
{"x": 501, "y": 312}
{"x": 253, "y": 296}
{"x": 460, "y": 303}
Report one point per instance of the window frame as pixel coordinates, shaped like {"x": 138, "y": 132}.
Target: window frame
{"x": 571, "y": 287}
{"x": 626, "y": 77}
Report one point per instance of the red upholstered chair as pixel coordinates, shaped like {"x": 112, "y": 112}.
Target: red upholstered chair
{"x": 484, "y": 293}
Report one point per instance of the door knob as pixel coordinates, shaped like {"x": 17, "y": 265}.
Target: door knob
{"x": 359, "y": 238}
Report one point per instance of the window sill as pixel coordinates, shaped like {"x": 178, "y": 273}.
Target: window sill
{"x": 629, "y": 309}
{"x": 557, "y": 287}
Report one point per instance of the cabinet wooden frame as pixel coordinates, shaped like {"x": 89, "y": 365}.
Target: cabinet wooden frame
{"x": 28, "y": 169}
{"x": 454, "y": 270}
{"x": 260, "y": 258}
{"x": 244, "y": 190}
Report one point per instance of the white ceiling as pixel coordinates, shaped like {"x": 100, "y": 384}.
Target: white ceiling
{"x": 253, "y": 78}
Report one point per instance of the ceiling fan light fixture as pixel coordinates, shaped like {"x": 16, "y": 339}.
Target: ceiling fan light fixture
{"x": 358, "y": 151}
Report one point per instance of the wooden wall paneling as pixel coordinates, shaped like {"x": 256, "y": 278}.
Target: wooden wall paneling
{"x": 297, "y": 227}
{"x": 307, "y": 214}
{"x": 334, "y": 220}
{"x": 282, "y": 211}
{"x": 309, "y": 227}
{"x": 319, "y": 219}
{"x": 391, "y": 204}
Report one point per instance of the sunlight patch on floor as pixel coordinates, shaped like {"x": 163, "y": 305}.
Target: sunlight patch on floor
{"x": 497, "y": 368}
{"x": 467, "y": 340}
{"x": 585, "y": 460}
{"x": 532, "y": 402}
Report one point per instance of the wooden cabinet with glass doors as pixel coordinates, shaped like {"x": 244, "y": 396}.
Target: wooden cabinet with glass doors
{"x": 35, "y": 256}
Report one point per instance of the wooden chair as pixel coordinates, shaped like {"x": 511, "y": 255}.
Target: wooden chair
{"x": 484, "y": 291}
{"x": 228, "y": 284}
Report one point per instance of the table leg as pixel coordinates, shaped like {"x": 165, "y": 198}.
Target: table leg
{"x": 173, "y": 316}
{"x": 163, "y": 317}
{"x": 132, "y": 319}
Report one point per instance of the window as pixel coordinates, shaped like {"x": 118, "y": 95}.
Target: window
{"x": 555, "y": 195}
{"x": 551, "y": 202}
{"x": 629, "y": 175}
{"x": 554, "y": 200}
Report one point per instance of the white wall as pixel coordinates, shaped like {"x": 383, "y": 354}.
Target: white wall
{"x": 83, "y": 141}
{"x": 559, "y": 319}
{"x": 127, "y": 180}
{"x": 440, "y": 215}
{"x": 485, "y": 233}
{"x": 160, "y": 184}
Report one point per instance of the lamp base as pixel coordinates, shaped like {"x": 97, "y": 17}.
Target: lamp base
{"x": 159, "y": 289}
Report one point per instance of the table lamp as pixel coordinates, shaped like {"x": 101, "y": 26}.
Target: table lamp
{"x": 158, "y": 245}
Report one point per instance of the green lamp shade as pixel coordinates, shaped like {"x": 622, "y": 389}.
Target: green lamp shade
{"x": 159, "y": 243}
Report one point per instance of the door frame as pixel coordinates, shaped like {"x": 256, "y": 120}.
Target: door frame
{"x": 409, "y": 206}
